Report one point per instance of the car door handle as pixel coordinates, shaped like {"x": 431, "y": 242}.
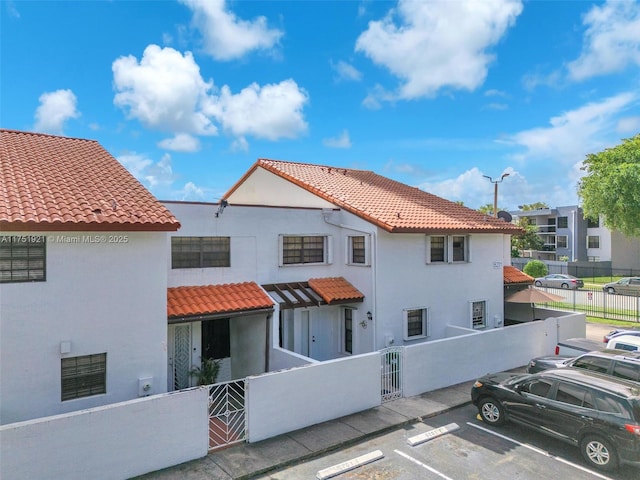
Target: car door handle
{"x": 540, "y": 406}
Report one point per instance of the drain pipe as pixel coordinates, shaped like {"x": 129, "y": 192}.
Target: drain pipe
{"x": 326, "y": 215}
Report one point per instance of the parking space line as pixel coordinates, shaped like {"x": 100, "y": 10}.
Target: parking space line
{"x": 418, "y": 462}
{"x": 540, "y": 451}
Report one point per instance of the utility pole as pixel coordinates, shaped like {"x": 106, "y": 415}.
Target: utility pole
{"x": 495, "y": 191}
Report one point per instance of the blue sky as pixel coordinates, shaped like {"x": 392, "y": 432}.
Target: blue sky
{"x": 188, "y": 94}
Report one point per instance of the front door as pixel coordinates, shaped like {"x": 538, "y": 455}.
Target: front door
{"x": 179, "y": 356}
{"x": 320, "y": 337}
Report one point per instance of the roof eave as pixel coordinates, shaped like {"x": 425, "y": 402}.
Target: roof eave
{"x": 33, "y": 226}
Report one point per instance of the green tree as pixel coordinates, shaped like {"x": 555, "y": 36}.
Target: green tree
{"x": 488, "y": 209}
{"x": 611, "y": 186}
{"x": 535, "y": 268}
{"x": 529, "y": 240}
{"x": 533, "y": 206}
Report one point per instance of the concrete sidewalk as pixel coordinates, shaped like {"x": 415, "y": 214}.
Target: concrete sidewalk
{"x": 245, "y": 461}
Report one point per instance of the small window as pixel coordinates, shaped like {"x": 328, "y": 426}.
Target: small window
{"x": 22, "y": 258}
{"x": 593, "y": 223}
{"x": 447, "y": 249}
{"x": 479, "y": 314}
{"x": 357, "y": 250}
{"x": 563, "y": 222}
{"x": 438, "y": 249}
{"x": 416, "y": 323}
{"x": 593, "y": 241}
{"x": 561, "y": 241}
{"x": 297, "y": 250}
{"x": 216, "y": 339}
{"x": 84, "y": 376}
{"x": 458, "y": 249}
{"x": 200, "y": 252}
{"x": 348, "y": 330}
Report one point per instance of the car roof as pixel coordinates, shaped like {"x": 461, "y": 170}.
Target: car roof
{"x": 615, "y": 385}
{"x": 632, "y": 339}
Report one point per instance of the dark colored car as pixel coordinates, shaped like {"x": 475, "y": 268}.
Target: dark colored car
{"x": 617, "y": 363}
{"x": 559, "y": 280}
{"x": 597, "y": 413}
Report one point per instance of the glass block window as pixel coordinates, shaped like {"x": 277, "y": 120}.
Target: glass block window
{"x": 22, "y": 258}
{"x": 84, "y": 376}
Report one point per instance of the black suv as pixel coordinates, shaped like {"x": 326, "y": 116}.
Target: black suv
{"x": 617, "y": 363}
{"x": 597, "y": 413}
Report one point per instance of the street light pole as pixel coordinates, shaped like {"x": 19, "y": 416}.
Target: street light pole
{"x": 495, "y": 191}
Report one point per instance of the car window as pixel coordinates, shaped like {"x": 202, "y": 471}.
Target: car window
{"x": 594, "y": 364}
{"x": 539, "y": 387}
{"x": 609, "y": 404}
{"x": 624, "y": 346}
{"x": 574, "y": 395}
{"x": 627, "y": 370}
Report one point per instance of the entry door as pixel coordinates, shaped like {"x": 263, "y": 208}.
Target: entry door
{"x": 179, "y": 356}
{"x": 320, "y": 337}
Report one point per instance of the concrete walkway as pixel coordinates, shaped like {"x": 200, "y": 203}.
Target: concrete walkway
{"x": 245, "y": 461}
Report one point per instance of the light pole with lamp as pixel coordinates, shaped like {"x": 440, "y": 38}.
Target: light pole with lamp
{"x": 495, "y": 191}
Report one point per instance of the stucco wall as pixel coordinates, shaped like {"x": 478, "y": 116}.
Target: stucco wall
{"x": 117, "y": 441}
{"x": 100, "y": 297}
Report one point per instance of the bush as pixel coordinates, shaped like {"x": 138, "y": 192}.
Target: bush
{"x": 535, "y": 268}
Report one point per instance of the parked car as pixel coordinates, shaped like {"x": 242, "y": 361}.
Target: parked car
{"x": 616, "y": 363}
{"x": 597, "y": 413}
{"x": 630, "y": 343}
{"x": 559, "y": 280}
{"x": 620, "y": 331}
{"x": 624, "y": 286}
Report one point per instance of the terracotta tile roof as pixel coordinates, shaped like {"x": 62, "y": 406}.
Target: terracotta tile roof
{"x": 216, "y": 299}
{"x": 58, "y": 183}
{"x": 391, "y": 205}
{"x": 513, "y": 275}
{"x": 335, "y": 289}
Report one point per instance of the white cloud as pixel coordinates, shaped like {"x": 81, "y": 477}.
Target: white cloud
{"x": 272, "y": 111}
{"x": 575, "y": 133}
{"x": 628, "y": 125}
{"x": 341, "y": 141}
{"x": 12, "y": 10}
{"x": 346, "y": 71}
{"x": 164, "y": 91}
{"x": 147, "y": 172}
{"x": 54, "y": 110}
{"x": 435, "y": 45}
{"x": 181, "y": 142}
{"x": 612, "y": 40}
{"x": 191, "y": 191}
{"x": 227, "y": 37}
{"x": 240, "y": 144}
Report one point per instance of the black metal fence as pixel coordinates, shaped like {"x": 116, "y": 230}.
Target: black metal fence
{"x": 596, "y": 303}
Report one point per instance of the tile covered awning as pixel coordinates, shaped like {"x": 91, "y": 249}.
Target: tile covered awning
{"x": 313, "y": 293}
{"x": 513, "y": 276}
{"x": 216, "y": 301}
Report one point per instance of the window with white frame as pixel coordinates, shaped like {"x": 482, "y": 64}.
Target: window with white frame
{"x": 347, "y": 333}
{"x": 447, "y": 248}
{"x": 479, "y": 314}
{"x": 561, "y": 241}
{"x": 593, "y": 241}
{"x": 416, "y": 323}
{"x": 304, "y": 249}
{"x": 563, "y": 222}
{"x": 357, "y": 251}
{"x": 83, "y": 376}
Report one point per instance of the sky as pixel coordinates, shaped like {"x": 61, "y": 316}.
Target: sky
{"x": 188, "y": 94}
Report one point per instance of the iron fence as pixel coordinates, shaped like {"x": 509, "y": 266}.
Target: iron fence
{"x": 597, "y": 303}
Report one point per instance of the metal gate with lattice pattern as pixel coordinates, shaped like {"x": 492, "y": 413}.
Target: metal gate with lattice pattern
{"x": 227, "y": 419}
{"x": 391, "y": 373}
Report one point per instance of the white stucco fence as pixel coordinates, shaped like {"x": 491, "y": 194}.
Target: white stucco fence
{"x": 284, "y": 401}
{"x": 117, "y": 441}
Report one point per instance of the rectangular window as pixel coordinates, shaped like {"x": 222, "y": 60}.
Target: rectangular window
{"x": 479, "y": 314}
{"x": 303, "y": 249}
{"x": 563, "y": 222}
{"x": 357, "y": 250}
{"x": 84, "y": 376}
{"x": 561, "y": 241}
{"x": 458, "y": 249}
{"x": 216, "y": 339}
{"x": 593, "y": 223}
{"x": 593, "y": 241}
{"x": 22, "y": 258}
{"x": 348, "y": 330}
{"x": 438, "y": 249}
{"x": 416, "y": 323}
{"x": 200, "y": 252}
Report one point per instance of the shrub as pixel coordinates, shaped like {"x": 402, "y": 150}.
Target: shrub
{"x": 535, "y": 268}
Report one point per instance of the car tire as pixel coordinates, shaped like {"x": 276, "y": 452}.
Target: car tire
{"x": 491, "y": 411}
{"x": 599, "y": 453}
{"x": 611, "y": 291}
{"x": 565, "y": 286}
{"x": 538, "y": 284}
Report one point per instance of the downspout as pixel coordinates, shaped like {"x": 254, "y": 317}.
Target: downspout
{"x": 267, "y": 344}
{"x": 326, "y": 214}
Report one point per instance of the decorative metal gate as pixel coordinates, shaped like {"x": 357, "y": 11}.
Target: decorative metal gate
{"x": 227, "y": 419}
{"x": 391, "y": 373}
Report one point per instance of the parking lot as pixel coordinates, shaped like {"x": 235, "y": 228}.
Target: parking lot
{"x": 472, "y": 451}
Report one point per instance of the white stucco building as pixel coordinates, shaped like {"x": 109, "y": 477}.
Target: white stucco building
{"x": 82, "y": 279}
